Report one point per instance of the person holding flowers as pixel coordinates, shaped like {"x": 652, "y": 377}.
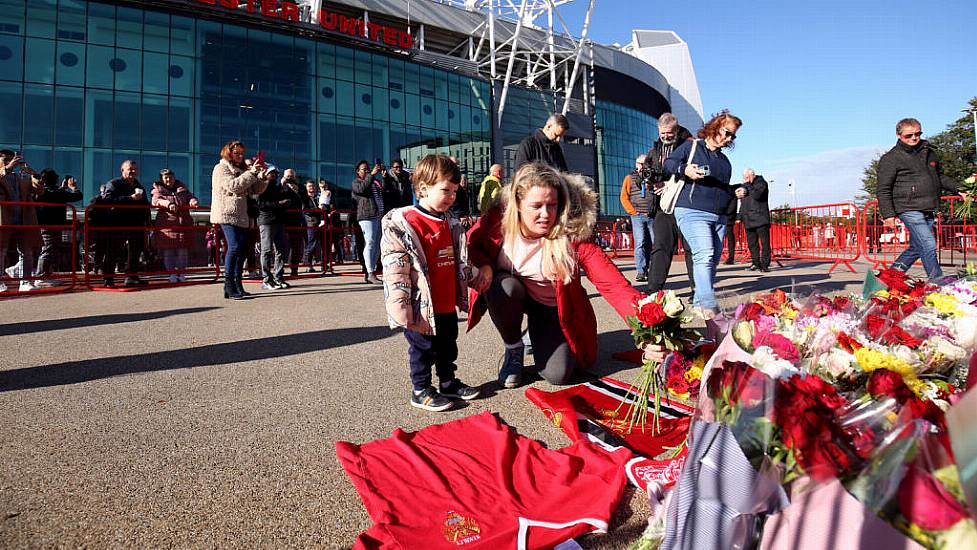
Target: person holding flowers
{"x": 533, "y": 247}
{"x": 910, "y": 182}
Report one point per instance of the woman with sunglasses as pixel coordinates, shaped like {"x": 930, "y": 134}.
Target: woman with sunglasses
{"x": 700, "y": 210}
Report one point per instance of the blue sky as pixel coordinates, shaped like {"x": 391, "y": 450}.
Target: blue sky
{"x": 818, "y": 84}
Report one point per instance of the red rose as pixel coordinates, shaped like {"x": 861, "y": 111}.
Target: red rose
{"x": 876, "y": 326}
{"x": 651, "y": 314}
{"x": 805, "y": 410}
{"x": 848, "y": 343}
{"x": 924, "y": 501}
{"x": 890, "y": 384}
{"x": 841, "y": 303}
{"x": 781, "y": 345}
{"x": 895, "y": 280}
{"x": 745, "y": 384}
{"x": 896, "y": 335}
{"x": 751, "y": 312}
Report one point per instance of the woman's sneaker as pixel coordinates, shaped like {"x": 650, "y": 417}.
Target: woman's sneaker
{"x": 456, "y": 389}
{"x": 510, "y": 376}
{"x": 430, "y": 400}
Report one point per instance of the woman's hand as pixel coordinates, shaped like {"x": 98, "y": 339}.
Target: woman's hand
{"x": 654, "y": 353}
{"x": 194, "y": 203}
{"x": 693, "y": 172}
{"x": 484, "y": 279}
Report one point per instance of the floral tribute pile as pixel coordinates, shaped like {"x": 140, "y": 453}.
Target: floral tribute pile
{"x": 850, "y": 390}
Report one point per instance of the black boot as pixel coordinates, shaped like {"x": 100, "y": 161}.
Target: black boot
{"x": 231, "y": 291}
{"x": 240, "y": 288}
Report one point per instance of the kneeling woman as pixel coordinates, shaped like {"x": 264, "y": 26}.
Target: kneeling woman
{"x": 533, "y": 247}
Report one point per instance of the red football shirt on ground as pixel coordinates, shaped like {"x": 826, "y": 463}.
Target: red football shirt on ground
{"x": 475, "y": 483}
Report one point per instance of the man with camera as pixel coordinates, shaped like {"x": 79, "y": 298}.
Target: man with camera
{"x": 637, "y": 197}
{"x": 16, "y": 186}
{"x": 665, "y": 231}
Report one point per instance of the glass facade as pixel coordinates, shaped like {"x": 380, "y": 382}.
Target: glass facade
{"x": 85, "y": 85}
{"x": 622, "y": 134}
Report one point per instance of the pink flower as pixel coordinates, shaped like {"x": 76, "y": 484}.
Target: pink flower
{"x": 926, "y": 502}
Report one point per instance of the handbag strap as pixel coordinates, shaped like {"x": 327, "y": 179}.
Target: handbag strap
{"x": 695, "y": 142}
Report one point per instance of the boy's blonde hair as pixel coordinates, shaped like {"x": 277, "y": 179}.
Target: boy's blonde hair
{"x": 432, "y": 169}
{"x": 559, "y": 258}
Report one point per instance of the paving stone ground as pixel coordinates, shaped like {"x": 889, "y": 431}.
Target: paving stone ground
{"x": 174, "y": 418}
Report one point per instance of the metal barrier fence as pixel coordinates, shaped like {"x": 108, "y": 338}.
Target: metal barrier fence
{"x": 956, "y": 236}
{"x": 344, "y": 242}
{"x": 823, "y": 232}
{"x": 146, "y": 246}
{"x": 39, "y": 257}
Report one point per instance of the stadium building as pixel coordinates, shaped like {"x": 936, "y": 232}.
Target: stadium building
{"x": 318, "y": 85}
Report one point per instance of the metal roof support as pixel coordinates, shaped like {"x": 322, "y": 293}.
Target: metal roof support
{"x": 576, "y": 62}
{"x": 512, "y": 60}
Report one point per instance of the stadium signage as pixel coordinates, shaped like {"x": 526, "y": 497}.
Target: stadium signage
{"x": 289, "y": 12}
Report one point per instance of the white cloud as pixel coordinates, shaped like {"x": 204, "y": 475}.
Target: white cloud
{"x": 822, "y": 178}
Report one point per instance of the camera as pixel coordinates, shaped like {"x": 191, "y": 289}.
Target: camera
{"x": 649, "y": 174}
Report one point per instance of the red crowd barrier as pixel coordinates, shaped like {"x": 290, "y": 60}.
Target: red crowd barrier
{"x": 824, "y": 232}
{"x": 52, "y": 247}
{"x": 344, "y": 242}
{"x": 956, "y": 236}
{"x": 133, "y": 247}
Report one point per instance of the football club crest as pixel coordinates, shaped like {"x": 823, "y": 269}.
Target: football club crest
{"x": 459, "y": 529}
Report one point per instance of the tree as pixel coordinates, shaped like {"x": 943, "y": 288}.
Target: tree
{"x": 955, "y": 146}
{"x": 870, "y": 181}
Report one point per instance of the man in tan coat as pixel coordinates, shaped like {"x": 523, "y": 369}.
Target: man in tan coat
{"x": 16, "y": 187}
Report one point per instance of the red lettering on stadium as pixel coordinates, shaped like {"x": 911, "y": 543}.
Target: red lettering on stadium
{"x": 285, "y": 10}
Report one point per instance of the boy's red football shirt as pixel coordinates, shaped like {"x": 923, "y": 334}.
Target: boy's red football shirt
{"x": 474, "y": 483}
{"x": 439, "y": 251}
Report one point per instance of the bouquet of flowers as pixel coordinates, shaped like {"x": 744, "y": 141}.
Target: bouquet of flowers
{"x": 657, "y": 320}
{"x": 820, "y": 390}
{"x": 969, "y": 186}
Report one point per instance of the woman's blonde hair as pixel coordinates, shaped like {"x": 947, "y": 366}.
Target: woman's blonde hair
{"x": 559, "y": 257}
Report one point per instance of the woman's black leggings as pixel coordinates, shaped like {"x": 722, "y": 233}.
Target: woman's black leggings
{"x": 508, "y": 301}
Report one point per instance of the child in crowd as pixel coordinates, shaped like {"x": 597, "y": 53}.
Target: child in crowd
{"x": 425, "y": 277}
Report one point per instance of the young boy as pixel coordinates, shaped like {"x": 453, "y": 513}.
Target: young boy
{"x": 425, "y": 277}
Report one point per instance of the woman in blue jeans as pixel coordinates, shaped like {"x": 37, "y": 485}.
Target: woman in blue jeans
{"x": 368, "y": 193}
{"x": 700, "y": 210}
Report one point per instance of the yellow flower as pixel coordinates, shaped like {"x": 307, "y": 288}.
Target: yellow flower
{"x": 693, "y": 374}
{"x": 947, "y": 305}
{"x": 872, "y": 360}
{"x": 884, "y": 294}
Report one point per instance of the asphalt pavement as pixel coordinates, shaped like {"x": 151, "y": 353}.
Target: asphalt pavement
{"x": 175, "y": 418}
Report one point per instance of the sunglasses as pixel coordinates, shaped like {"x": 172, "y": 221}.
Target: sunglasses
{"x": 728, "y": 134}
{"x": 913, "y": 135}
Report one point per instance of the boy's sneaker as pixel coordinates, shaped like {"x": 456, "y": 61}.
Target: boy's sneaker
{"x": 269, "y": 285}
{"x": 430, "y": 400}
{"x": 510, "y": 376}
{"x": 456, "y": 389}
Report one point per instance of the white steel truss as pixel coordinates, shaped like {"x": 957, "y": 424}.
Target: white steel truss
{"x": 521, "y": 52}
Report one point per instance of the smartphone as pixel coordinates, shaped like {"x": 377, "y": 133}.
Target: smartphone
{"x": 705, "y": 169}
{"x": 260, "y": 158}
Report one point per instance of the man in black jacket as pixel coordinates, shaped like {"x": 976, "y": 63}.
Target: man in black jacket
{"x": 910, "y": 182}
{"x": 399, "y": 191}
{"x": 50, "y": 216}
{"x": 666, "y": 233}
{"x": 127, "y": 193}
{"x": 543, "y": 145}
{"x": 273, "y": 206}
{"x": 755, "y": 213}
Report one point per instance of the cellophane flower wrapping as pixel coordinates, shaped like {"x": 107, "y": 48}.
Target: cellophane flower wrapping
{"x": 819, "y": 390}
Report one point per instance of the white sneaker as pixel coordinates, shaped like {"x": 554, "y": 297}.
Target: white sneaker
{"x": 3, "y": 287}
{"x": 27, "y": 286}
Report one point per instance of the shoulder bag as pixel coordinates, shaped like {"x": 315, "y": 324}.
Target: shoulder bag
{"x": 674, "y": 186}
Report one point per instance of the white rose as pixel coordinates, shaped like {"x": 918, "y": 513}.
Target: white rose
{"x": 837, "y": 363}
{"x": 766, "y": 362}
{"x": 965, "y": 332}
{"x": 673, "y": 304}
